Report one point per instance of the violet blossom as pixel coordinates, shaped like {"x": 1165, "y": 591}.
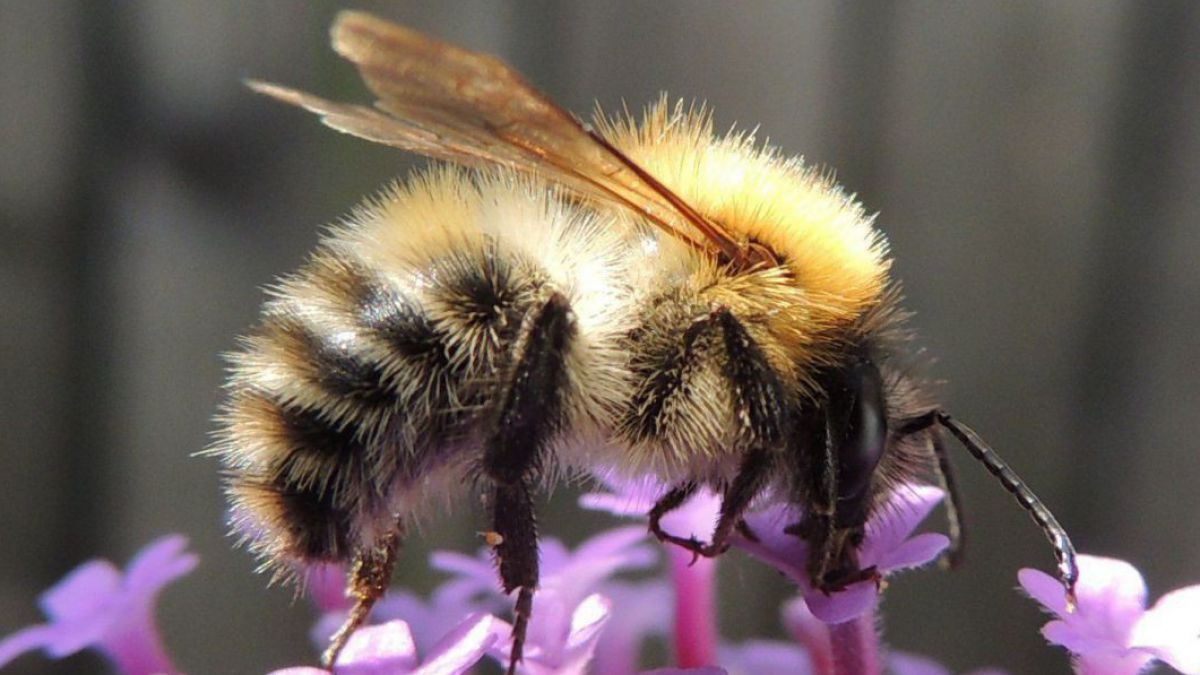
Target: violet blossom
{"x": 889, "y": 546}
{"x": 389, "y": 649}
{"x": 837, "y": 630}
{"x": 429, "y": 620}
{"x": 97, "y": 606}
{"x": 569, "y": 609}
{"x": 693, "y": 578}
{"x": 562, "y": 640}
{"x": 643, "y": 610}
{"x": 1111, "y": 632}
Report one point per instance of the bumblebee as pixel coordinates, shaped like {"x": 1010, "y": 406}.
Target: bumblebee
{"x": 643, "y": 297}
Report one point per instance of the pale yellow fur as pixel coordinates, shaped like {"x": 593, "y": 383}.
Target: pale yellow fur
{"x": 821, "y": 234}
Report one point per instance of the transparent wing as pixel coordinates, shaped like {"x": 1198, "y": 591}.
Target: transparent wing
{"x": 439, "y": 100}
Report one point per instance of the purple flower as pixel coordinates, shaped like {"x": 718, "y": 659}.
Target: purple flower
{"x": 643, "y": 609}
{"x": 888, "y": 546}
{"x": 561, "y": 639}
{"x": 1111, "y": 632}
{"x": 389, "y": 649}
{"x": 428, "y": 620}
{"x": 574, "y": 575}
{"x": 96, "y": 606}
{"x": 696, "y": 517}
{"x": 567, "y": 612}
{"x": 694, "y": 579}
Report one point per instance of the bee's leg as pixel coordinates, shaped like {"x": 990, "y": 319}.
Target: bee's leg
{"x": 819, "y": 526}
{"x": 528, "y": 414}
{"x": 369, "y": 579}
{"x": 666, "y": 504}
{"x": 517, "y": 554}
{"x": 949, "y": 482}
{"x": 954, "y": 508}
{"x": 762, "y": 411}
{"x": 667, "y": 382}
{"x": 751, "y": 479}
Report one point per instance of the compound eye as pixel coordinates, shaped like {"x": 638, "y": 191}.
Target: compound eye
{"x": 865, "y": 433}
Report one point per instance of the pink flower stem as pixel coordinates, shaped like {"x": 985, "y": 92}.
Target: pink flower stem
{"x": 695, "y": 609}
{"x": 854, "y": 646}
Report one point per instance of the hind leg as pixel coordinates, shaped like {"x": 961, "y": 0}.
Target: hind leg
{"x": 369, "y": 579}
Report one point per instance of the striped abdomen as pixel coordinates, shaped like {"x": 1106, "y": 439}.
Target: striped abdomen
{"x": 363, "y": 390}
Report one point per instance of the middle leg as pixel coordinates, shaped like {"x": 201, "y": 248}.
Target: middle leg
{"x": 761, "y": 410}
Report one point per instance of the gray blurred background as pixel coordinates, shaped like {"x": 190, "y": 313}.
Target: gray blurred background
{"x": 1035, "y": 166}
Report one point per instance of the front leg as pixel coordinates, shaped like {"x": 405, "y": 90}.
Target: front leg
{"x": 925, "y": 424}
{"x": 819, "y": 524}
{"x": 529, "y": 413}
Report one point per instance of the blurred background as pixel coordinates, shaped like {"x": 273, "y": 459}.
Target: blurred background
{"x": 1035, "y": 166}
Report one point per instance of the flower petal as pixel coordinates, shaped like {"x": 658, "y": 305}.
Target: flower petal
{"x": 915, "y": 552}
{"x": 1171, "y": 630}
{"x": 462, "y": 647}
{"x": 1131, "y": 663}
{"x": 471, "y": 567}
{"x": 379, "y": 650}
{"x": 1045, "y": 589}
{"x": 625, "y": 496}
{"x": 1112, "y": 595}
{"x": 83, "y": 592}
{"x": 785, "y": 552}
{"x": 1078, "y": 640}
{"x": 25, "y": 640}
{"x": 588, "y": 620}
{"x": 810, "y": 632}
{"x": 618, "y": 505}
{"x": 696, "y": 517}
{"x": 886, "y": 546}
{"x": 616, "y": 542}
{"x": 158, "y": 564}
{"x": 907, "y": 506}
{"x": 83, "y": 607}
{"x": 644, "y": 610}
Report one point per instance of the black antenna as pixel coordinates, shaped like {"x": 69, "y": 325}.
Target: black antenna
{"x": 1064, "y": 551}
{"x": 1068, "y": 571}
